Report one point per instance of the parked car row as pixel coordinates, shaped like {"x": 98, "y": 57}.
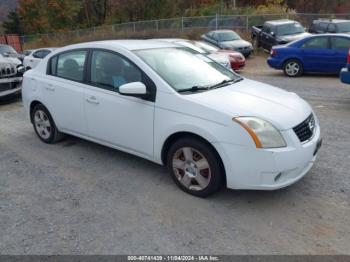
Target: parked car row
{"x": 296, "y": 51}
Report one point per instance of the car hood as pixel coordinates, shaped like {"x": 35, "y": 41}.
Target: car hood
{"x": 291, "y": 38}
{"x": 235, "y": 44}
{"x": 283, "y": 109}
{"x": 9, "y": 60}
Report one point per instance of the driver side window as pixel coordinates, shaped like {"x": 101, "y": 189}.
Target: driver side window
{"x": 110, "y": 71}
{"x": 267, "y": 29}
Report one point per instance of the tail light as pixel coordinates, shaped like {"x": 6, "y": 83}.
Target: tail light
{"x": 349, "y": 57}
{"x": 273, "y": 53}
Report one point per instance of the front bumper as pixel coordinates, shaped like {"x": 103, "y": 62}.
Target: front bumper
{"x": 345, "y": 76}
{"x": 269, "y": 169}
{"x": 10, "y": 86}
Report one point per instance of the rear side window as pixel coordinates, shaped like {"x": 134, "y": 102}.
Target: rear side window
{"x": 45, "y": 53}
{"x": 340, "y": 43}
{"x": 69, "y": 65}
{"x": 318, "y": 42}
{"x": 332, "y": 28}
{"x": 323, "y": 27}
{"x": 38, "y": 54}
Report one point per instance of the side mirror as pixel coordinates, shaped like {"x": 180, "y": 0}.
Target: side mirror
{"x": 272, "y": 33}
{"x": 136, "y": 89}
{"x": 6, "y": 54}
{"x": 21, "y": 69}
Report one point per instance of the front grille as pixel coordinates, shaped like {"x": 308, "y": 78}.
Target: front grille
{"x": 306, "y": 129}
{"x": 7, "y": 71}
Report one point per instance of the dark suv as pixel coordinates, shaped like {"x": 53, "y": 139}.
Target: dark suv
{"x": 322, "y": 26}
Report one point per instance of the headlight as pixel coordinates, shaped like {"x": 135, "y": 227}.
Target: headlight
{"x": 262, "y": 132}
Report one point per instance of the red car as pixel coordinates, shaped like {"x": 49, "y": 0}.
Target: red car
{"x": 237, "y": 59}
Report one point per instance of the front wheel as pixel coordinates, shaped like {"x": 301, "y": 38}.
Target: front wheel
{"x": 44, "y": 125}
{"x": 195, "y": 167}
{"x": 293, "y": 68}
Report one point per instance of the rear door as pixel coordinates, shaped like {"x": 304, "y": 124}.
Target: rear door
{"x": 340, "y": 47}
{"x": 317, "y": 54}
{"x": 64, "y": 90}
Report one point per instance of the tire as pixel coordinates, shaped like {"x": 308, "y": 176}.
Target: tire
{"x": 44, "y": 126}
{"x": 184, "y": 159}
{"x": 293, "y": 68}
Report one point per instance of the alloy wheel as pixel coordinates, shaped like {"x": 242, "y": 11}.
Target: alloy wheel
{"x": 42, "y": 124}
{"x": 292, "y": 68}
{"x": 191, "y": 168}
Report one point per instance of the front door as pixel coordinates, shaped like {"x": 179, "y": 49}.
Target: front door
{"x": 124, "y": 122}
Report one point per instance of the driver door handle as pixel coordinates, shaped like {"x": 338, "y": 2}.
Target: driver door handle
{"x": 50, "y": 87}
{"x": 92, "y": 100}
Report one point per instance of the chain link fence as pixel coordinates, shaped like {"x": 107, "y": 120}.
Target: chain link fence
{"x": 241, "y": 23}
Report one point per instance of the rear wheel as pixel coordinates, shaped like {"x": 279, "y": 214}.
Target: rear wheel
{"x": 293, "y": 68}
{"x": 44, "y": 125}
{"x": 195, "y": 167}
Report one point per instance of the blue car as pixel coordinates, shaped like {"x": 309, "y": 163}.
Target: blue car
{"x": 325, "y": 53}
{"x": 345, "y": 72}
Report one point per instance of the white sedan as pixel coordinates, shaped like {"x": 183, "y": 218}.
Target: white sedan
{"x": 35, "y": 56}
{"x": 175, "y": 107}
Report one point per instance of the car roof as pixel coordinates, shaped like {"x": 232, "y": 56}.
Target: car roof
{"x": 221, "y": 31}
{"x": 126, "y": 44}
{"x": 329, "y": 34}
{"x": 281, "y": 22}
{"x": 332, "y": 20}
{"x": 44, "y": 48}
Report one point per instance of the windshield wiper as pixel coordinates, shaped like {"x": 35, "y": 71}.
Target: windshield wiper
{"x": 225, "y": 83}
{"x": 193, "y": 89}
{"x": 206, "y": 88}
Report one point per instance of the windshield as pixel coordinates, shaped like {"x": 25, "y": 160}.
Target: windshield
{"x": 184, "y": 69}
{"x": 228, "y": 36}
{"x": 344, "y": 27}
{"x": 7, "y": 49}
{"x": 290, "y": 29}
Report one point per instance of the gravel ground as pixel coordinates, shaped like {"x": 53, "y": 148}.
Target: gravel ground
{"x": 77, "y": 197}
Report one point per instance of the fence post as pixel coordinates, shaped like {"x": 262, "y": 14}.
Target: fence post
{"x": 247, "y": 24}
{"x": 216, "y": 22}
{"x": 157, "y": 25}
{"x": 182, "y": 24}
